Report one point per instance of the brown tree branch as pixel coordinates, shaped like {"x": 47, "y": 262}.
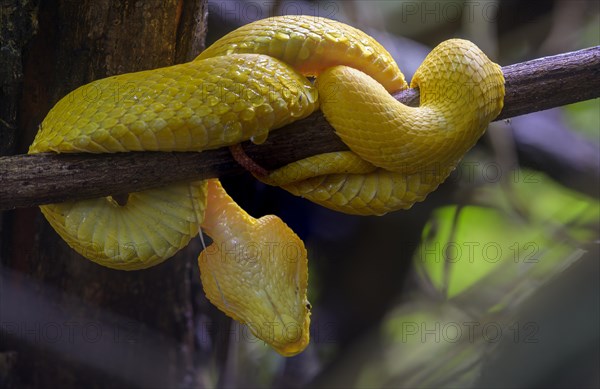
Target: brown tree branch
{"x": 28, "y": 180}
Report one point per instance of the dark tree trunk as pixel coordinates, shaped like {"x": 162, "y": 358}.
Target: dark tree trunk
{"x": 56, "y": 325}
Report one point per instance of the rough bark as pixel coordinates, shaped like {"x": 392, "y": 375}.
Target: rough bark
{"x": 74, "y": 43}
{"x": 46, "y": 178}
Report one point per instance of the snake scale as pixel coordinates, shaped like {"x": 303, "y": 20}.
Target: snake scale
{"x": 252, "y": 81}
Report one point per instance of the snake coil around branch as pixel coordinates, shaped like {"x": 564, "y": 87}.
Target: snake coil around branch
{"x": 35, "y": 179}
{"x": 250, "y": 82}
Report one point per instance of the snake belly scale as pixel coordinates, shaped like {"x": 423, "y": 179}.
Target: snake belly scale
{"x": 248, "y": 83}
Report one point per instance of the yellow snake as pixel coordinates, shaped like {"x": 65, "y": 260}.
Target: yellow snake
{"x": 248, "y": 83}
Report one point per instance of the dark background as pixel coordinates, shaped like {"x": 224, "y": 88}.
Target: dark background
{"x": 67, "y": 322}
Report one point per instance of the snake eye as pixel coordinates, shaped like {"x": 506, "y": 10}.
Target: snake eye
{"x": 308, "y": 306}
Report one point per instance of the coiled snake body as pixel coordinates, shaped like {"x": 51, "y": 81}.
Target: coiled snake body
{"x": 248, "y": 83}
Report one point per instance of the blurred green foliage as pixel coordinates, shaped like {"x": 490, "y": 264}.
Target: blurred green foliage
{"x": 584, "y": 117}
{"x": 475, "y": 267}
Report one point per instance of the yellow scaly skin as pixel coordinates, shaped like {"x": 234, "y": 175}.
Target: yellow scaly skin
{"x": 411, "y": 150}
{"x": 240, "y": 89}
{"x": 238, "y": 277}
{"x": 190, "y": 107}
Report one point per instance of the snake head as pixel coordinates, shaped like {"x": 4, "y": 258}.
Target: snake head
{"x": 256, "y": 271}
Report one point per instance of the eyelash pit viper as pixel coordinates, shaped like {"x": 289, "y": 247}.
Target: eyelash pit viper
{"x": 250, "y": 82}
